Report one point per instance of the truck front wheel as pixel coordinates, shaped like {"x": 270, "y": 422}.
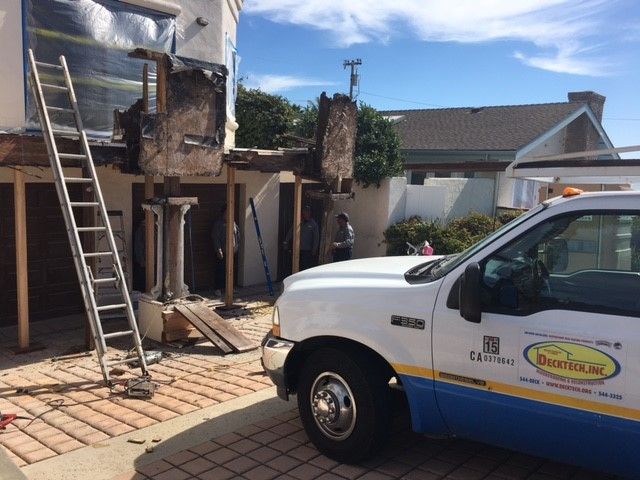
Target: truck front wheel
{"x": 344, "y": 404}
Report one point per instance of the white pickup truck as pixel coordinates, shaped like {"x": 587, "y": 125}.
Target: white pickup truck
{"x": 529, "y": 340}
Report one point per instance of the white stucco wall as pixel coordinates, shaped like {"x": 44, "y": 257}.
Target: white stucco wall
{"x": 11, "y": 66}
{"x": 461, "y": 196}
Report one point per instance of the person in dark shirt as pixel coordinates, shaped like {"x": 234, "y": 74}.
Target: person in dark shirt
{"x": 219, "y": 237}
{"x": 343, "y": 243}
{"x": 309, "y": 240}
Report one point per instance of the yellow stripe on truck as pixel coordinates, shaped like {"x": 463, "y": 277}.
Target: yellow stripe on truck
{"x": 520, "y": 392}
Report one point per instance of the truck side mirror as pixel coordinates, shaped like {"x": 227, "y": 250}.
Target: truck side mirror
{"x": 470, "y": 308}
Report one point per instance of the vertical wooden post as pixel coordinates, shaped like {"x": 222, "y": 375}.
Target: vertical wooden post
{"x": 149, "y": 236}
{"x": 22, "y": 279}
{"x": 297, "y": 214}
{"x": 231, "y": 208}
{"x": 149, "y": 193}
{"x": 161, "y": 85}
{"x": 145, "y": 88}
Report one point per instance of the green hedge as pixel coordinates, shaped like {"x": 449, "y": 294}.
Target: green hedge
{"x": 454, "y": 237}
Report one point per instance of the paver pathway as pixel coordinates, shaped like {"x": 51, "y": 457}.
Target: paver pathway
{"x": 71, "y": 407}
{"x": 278, "y": 448}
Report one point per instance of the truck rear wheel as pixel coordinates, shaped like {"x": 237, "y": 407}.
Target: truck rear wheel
{"x": 344, "y": 404}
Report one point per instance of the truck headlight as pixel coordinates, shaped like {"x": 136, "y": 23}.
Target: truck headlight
{"x": 275, "y": 322}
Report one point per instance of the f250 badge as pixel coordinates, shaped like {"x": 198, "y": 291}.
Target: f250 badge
{"x": 408, "y": 322}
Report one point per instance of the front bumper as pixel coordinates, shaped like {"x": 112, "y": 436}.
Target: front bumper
{"x": 274, "y": 356}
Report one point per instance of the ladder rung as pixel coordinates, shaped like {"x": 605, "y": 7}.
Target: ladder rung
{"x": 92, "y": 229}
{"x": 84, "y": 204}
{"x": 97, "y": 254}
{"x": 115, "y": 306}
{"x": 49, "y": 65}
{"x": 105, "y": 280}
{"x": 78, "y": 180}
{"x": 61, "y": 109}
{"x": 124, "y": 360}
{"x": 54, "y": 87}
{"x": 71, "y": 133}
{"x": 72, "y": 156}
{"x": 124, "y": 333}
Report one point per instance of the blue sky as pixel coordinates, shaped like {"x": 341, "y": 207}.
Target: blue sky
{"x": 448, "y": 53}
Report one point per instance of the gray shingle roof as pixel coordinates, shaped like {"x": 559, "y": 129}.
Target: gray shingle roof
{"x": 485, "y": 128}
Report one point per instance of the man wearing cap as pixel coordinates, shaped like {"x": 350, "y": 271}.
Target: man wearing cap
{"x": 309, "y": 239}
{"x": 343, "y": 243}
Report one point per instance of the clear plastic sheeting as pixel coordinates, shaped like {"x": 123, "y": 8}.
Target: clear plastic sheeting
{"x": 95, "y": 38}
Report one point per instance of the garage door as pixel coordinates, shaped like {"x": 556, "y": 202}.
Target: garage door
{"x": 53, "y": 284}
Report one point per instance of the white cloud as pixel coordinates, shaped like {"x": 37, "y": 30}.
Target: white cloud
{"x": 278, "y": 83}
{"x": 561, "y": 27}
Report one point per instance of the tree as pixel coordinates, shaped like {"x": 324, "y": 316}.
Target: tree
{"x": 263, "y": 119}
{"x": 377, "y": 148}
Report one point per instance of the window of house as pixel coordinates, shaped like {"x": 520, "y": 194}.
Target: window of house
{"x": 95, "y": 37}
{"x": 417, "y": 178}
{"x": 585, "y": 262}
{"x": 232, "y": 61}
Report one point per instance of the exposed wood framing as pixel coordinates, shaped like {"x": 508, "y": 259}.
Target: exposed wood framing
{"x": 269, "y": 161}
{"x": 297, "y": 213}
{"x": 231, "y": 208}
{"x": 30, "y": 150}
{"x": 22, "y": 279}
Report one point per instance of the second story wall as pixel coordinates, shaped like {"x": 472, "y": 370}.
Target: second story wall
{"x": 55, "y": 32}
{"x": 11, "y": 67}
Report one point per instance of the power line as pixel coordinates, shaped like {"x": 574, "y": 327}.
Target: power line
{"x": 623, "y": 119}
{"x": 403, "y": 100}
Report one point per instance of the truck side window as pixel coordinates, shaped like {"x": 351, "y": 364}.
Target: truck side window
{"x": 585, "y": 261}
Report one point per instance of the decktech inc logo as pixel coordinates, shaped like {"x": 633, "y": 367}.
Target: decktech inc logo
{"x": 572, "y": 360}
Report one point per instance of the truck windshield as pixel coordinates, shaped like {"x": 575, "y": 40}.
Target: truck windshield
{"x": 440, "y": 268}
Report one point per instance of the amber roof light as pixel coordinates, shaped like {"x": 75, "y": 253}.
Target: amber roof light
{"x": 571, "y": 191}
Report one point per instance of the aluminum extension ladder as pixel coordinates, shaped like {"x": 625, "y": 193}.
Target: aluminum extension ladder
{"x": 88, "y": 282}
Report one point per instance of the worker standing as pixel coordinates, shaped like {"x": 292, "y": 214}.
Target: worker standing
{"x": 309, "y": 240}
{"x": 219, "y": 237}
{"x": 342, "y": 246}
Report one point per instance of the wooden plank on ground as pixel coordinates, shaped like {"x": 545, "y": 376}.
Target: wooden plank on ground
{"x": 204, "y": 328}
{"x": 224, "y": 329}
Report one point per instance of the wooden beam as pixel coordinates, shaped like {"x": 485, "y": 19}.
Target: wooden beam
{"x": 231, "y": 208}
{"x": 22, "y": 278}
{"x": 149, "y": 193}
{"x": 270, "y": 161}
{"x": 297, "y": 214}
{"x": 30, "y": 150}
{"x": 149, "y": 236}
{"x": 161, "y": 85}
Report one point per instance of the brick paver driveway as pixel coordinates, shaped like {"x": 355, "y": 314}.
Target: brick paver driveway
{"x": 278, "y": 448}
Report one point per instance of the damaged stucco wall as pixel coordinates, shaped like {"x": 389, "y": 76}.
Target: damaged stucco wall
{"x": 208, "y": 42}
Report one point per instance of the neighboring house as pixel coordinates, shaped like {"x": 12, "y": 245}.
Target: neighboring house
{"x": 479, "y": 143}
{"x": 96, "y": 36}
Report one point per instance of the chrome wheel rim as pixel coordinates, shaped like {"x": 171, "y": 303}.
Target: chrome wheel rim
{"x": 333, "y": 406}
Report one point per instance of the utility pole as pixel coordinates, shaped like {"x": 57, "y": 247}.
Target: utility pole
{"x": 355, "y": 78}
